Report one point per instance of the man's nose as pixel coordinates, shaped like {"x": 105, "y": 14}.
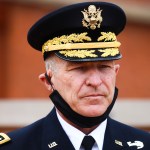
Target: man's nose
{"x": 94, "y": 78}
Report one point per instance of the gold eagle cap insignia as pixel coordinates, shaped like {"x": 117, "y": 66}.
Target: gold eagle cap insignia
{"x": 92, "y": 17}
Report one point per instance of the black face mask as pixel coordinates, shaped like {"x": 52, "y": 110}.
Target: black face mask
{"x": 79, "y": 120}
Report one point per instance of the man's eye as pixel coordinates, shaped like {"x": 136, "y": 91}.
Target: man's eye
{"x": 76, "y": 68}
{"x": 105, "y": 66}
{"x": 80, "y": 68}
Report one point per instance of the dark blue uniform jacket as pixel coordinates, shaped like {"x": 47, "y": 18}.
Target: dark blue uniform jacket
{"x": 47, "y": 134}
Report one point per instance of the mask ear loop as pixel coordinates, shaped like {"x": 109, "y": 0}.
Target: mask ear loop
{"x": 48, "y": 80}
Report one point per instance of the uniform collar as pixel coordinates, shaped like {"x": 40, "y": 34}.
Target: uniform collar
{"x": 98, "y": 134}
{"x": 76, "y": 136}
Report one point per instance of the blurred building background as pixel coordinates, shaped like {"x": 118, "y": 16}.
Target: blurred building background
{"x": 23, "y": 99}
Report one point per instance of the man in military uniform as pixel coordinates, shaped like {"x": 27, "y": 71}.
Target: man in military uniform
{"x": 79, "y": 47}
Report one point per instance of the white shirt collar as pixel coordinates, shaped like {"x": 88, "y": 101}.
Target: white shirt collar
{"x": 76, "y": 136}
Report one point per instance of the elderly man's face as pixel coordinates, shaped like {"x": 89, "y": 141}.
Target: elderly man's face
{"x": 88, "y": 87}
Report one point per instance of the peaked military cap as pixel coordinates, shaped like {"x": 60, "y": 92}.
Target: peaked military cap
{"x": 80, "y": 32}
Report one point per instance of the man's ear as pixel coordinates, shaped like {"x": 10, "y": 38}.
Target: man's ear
{"x": 45, "y": 81}
{"x": 117, "y": 66}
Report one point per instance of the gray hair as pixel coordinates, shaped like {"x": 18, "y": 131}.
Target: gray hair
{"x": 51, "y": 63}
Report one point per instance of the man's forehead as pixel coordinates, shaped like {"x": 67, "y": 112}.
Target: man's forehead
{"x": 69, "y": 63}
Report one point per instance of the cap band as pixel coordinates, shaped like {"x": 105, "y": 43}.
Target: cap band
{"x": 71, "y": 46}
{"x": 73, "y": 41}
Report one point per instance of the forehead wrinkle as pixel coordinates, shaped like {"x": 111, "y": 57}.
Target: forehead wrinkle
{"x": 89, "y": 63}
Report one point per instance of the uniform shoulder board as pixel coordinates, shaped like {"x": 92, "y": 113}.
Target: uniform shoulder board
{"x": 4, "y": 138}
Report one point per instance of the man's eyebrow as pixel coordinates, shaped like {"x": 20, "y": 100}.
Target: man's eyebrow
{"x": 74, "y": 63}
